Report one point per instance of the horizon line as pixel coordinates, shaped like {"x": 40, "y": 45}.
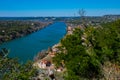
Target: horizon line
{"x": 61, "y": 16}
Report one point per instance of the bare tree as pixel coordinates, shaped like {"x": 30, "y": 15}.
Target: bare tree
{"x": 82, "y": 14}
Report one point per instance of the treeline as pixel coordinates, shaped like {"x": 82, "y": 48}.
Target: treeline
{"x": 13, "y": 29}
{"x": 89, "y": 52}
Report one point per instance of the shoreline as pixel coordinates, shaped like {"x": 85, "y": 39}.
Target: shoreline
{"x": 22, "y": 33}
{"x": 54, "y": 48}
{"x": 35, "y": 42}
{"x": 41, "y": 64}
{"x": 47, "y": 66}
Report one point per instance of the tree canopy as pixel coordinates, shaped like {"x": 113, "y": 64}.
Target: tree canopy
{"x": 11, "y": 69}
{"x": 88, "y": 50}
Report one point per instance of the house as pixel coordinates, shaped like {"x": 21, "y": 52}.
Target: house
{"x": 69, "y": 30}
{"x": 52, "y": 54}
{"x": 59, "y": 69}
{"x": 44, "y": 64}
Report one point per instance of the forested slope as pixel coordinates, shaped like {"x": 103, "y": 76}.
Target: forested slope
{"x": 92, "y": 53}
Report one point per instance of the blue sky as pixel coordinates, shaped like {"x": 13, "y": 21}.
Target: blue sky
{"x": 14, "y": 8}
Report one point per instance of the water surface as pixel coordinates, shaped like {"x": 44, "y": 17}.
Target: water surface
{"x": 27, "y": 47}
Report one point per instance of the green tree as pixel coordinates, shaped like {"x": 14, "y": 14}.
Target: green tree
{"x": 11, "y": 69}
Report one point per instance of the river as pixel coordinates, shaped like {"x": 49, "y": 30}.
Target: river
{"x": 25, "y": 48}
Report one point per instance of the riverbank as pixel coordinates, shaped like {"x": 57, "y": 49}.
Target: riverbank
{"x": 46, "y": 64}
{"x": 10, "y": 30}
{"x": 47, "y": 67}
{"x": 80, "y": 54}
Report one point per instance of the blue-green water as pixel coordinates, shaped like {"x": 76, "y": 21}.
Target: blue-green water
{"x": 27, "y": 47}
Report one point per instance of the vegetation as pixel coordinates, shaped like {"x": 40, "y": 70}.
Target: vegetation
{"x": 13, "y": 29}
{"x": 86, "y": 54}
{"x": 82, "y": 14}
{"x": 88, "y": 51}
{"x": 11, "y": 69}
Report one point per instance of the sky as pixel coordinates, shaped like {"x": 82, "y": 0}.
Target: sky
{"x": 35, "y": 8}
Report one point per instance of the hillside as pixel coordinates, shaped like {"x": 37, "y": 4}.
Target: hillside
{"x": 92, "y": 53}
{"x": 12, "y": 29}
